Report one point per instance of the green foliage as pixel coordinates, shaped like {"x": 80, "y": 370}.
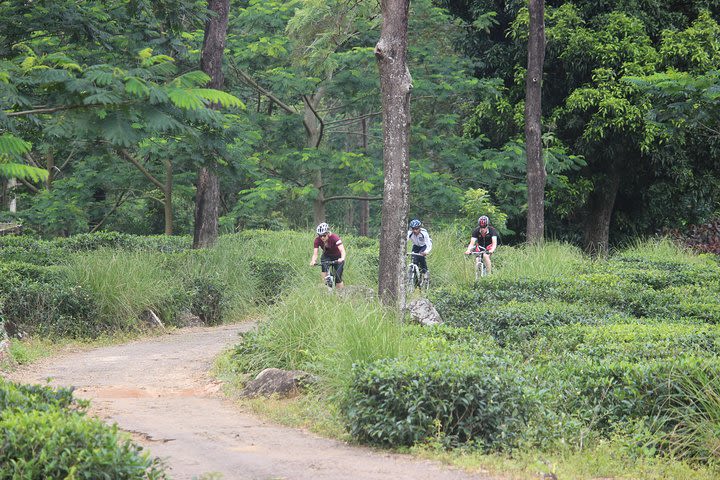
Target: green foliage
{"x": 17, "y": 397}
{"x": 45, "y": 434}
{"x": 51, "y": 442}
{"x": 44, "y": 301}
{"x": 447, "y": 398}
{"x": 207, "y": 299}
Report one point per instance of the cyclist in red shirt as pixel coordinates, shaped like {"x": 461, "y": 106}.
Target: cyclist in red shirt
{"x": 333, "y": 250}
{"x": 486, "y": 237}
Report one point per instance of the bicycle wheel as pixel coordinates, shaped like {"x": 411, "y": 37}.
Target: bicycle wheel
{"x": 330, "y": 279}
{"x": 425, "y": 282}
{"x": 412, "y": 277}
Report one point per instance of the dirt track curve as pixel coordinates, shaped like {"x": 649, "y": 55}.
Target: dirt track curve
{"x": 159, "y": 389}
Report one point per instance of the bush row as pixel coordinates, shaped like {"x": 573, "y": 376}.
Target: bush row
{"x": 453, "y": 399}
{"x": 44, "y": 433}
{"x": 51, "y": 252}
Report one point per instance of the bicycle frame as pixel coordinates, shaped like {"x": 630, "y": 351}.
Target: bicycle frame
{"x": 330, "y": 279}
{"x": 415, "y": 278}
{"x": 480, "y": 269}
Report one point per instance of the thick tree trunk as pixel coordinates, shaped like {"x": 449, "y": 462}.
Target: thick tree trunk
{"x": 395, "y": 87}
{"x": 600, "y": 208}
{"x": 207, "y": 197}
{"x": 207, "y": 206}
{"x": 536, "y": 175}
{"x": 168, "y": 191}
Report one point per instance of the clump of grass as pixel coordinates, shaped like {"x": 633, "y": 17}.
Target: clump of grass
{"x": 660, "y": 250}
{"x": 122, "y": 283}
{"x": 325, "y": 334}
{"x": 696, "y": 435}
{"x": 549, "y": 260}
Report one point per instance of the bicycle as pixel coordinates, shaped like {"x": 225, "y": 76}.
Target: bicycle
{"x": 332, "y": 266}
{"x": 480, "y": 269}
{"x": 415, "y": 278}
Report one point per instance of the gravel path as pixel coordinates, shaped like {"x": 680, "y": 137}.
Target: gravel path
{"x": 159, "y": 389}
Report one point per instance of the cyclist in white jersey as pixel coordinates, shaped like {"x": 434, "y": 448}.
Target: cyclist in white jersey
{"x": 421, "y": 244}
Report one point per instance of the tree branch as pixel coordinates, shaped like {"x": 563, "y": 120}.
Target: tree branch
{"x": 250, "y": 81}
{"x": 29, "y": 185}
{"x": 351, "y": 197}
{"x": 50, "y": 109}
{"x": 117, "y": 205}
{"x": 322, "y": 124}
{"x": 126, "y": 155}
{"x": 354, "y": 119}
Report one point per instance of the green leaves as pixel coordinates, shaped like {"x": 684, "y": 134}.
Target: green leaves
{"x": 196, "y": 98}
{"x": 13, "y": 146}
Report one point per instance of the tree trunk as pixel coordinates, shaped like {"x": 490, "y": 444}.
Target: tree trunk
{"x": 168, "y": 191}
{"x": 207, "y": 197}
{"x": 207, "y": 205}
{"x": 395, "y": 87}
{"x": 12, "y": 199}
{"x": 364, "y": 204}
{"x": 314, "y": 131}
{"x": 50, "y": 169}
{"x": 600, "y": 208}
{"x": 536, "y": 175}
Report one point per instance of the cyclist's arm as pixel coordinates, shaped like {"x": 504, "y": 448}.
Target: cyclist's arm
{"x": 428, "y": 243}
{"x": 314, "y": 257}
{"x": 471, "y": 245}
{"x": 341, "y": 247}
{"x": 493, "y": 245}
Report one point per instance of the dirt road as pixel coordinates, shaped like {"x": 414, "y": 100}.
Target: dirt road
{"x": 159, "y": 389}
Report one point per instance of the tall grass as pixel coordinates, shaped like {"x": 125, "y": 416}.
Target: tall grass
{"x": 697, "y": 431}
{"x": 327, "y": 334}
{"x": 660, "y": 250}
{"x": 123, "y": 283}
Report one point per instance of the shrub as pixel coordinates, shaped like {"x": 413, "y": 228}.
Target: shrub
{"x": 270, "y": 275}
{"x": 58, "y": 444}
{"x": 612, "y": 392}
{"x": 208, "y": 300}
{"x": 38, "y": 397}
{"x": 53, "y": 308}
{"x": 456, "y": 399}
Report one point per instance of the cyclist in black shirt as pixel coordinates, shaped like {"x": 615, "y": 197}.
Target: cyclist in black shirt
{"x": 485, "y": 237}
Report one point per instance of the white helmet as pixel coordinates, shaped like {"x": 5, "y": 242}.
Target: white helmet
{"x": 322, "y": 229}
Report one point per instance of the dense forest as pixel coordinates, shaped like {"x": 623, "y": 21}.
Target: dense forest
{"x": 108, "y": 116}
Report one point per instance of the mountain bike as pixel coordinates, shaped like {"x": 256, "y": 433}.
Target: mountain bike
{"x": 415, "y": 278}
{"x": 332, "y": 266}
{"x": 480, "y": 269}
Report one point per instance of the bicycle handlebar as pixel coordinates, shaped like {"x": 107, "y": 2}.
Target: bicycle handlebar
{"x": 331, "y": 262}
{"x": 479, "y": 252}
{"x": 416, "y": 254}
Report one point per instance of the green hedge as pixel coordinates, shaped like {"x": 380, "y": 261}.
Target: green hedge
{"x": 450, "y": 398}
{"x": 53, "y": 252}
{"x": 40, "y": 299}
{"x": 612, "y": 393}
{"x": 44, "y": 435}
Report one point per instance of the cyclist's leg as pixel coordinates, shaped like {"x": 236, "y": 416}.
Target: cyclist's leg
{"x": 486, "y": 261}
{"x": 324, "y": 268}
{"x": 339, "y": 275}
{"x": 420, "y": 260}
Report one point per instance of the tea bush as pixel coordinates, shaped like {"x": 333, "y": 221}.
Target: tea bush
{"x": 32, "y": 397}
{"x": 454, "y": 399}
{"x": 44, "y": 433}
